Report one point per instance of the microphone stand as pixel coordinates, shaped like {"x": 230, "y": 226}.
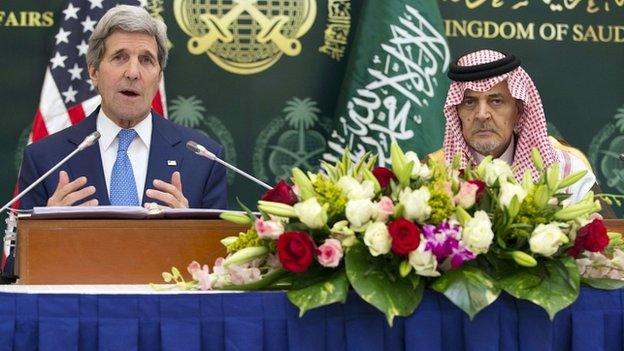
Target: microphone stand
{"x": 88, "y": 141}
{"x": 202, "y": 151}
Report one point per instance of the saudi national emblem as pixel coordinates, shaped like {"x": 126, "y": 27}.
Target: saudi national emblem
{"x": 189, "y": 112}
{"x": 297, "y": 139}
{"x": 604, "y": 152}
{"x": 245, "y": 36}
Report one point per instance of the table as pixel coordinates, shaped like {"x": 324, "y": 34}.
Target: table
{"x": 137, "y": 318}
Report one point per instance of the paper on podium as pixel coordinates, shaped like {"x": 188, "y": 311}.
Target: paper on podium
{"x": 122, "y": 212}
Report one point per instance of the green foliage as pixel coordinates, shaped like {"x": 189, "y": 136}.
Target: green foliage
{"x": 553, "y": 285}
{"x": 441, "y": 205}
{"x": 469, "y": 288}
{"x": 603, "y": 283}
{"x": 328, "y": 192}
{"x": 529, "y": 216}
{"x": 332, "y": 289}
{"x": 379, "y": 283}
{"x": 249, "y": 239}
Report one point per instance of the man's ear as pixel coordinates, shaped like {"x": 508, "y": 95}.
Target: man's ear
{"x": 93, "y": 75}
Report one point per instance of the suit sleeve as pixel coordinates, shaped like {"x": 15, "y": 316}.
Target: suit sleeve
{"x": 38, "y": 196}
{"x": 215, "y": 190}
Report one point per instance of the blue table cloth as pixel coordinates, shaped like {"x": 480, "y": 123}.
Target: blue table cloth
{"x": 267, "y": 321}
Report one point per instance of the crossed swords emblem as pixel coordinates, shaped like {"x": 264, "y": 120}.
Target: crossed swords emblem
{"x": 270, "y": 29}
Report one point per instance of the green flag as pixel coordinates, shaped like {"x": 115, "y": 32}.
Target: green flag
{"x": 395, "y": 84}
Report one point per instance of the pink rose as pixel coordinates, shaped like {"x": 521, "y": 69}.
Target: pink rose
{"x": 467, "y": 195}
{"x": 385, "y": 207}
{"x": 202, "y": 275}
{"x": 269, "y": 229}
{"x": 330, "y": 253}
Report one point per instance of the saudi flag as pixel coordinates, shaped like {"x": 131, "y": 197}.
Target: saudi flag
{"x": 395, "y": 84}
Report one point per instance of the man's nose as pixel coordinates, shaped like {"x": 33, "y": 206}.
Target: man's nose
{"x": 483, "y": 111}
{"x": 132, "y": 69}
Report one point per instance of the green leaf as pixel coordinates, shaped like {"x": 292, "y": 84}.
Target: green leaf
{"x": 545, "y": 285}
{"x": 469, "y": 288}
{"x": 314, "y": 275}
{"x": 541, "y": 197}
{"x": 603, "y": 283}
{"x": 379, "y": 283}
{"x": 333, "y": 289}
{"x": 514, "y": 208}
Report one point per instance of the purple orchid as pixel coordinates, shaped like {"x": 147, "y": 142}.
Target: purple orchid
{"x": 460, "y": 255}
{"x": 442, "y": 239}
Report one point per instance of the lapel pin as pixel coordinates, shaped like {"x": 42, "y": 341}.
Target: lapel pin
{"x": 172, "y": 163}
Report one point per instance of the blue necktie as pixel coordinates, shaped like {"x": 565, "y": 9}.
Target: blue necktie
{"x": 123, "y": 191}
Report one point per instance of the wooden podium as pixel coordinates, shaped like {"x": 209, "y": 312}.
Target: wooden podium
{"x": 118, "y": 251}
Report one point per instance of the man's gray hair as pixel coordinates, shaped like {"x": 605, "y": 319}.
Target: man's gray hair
{"x": 128, "y": 19}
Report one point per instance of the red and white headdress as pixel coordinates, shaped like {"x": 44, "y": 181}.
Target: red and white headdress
{"x": 531, "y": 126}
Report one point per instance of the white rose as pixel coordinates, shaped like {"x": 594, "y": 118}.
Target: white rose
{"x": 618, "y": 259}
{"x": 495, "y": 170}
{"x": 420, "y": 170}
{"x": 377, "y": 239}
{"x": 311, "y": 213}
{"x": 477, "y": 234}
{"x": 424, "y": 261}
{"x": 508, "y": 191}
{"x": 359, "y": 212}
{"x": 355, "y": 190}
{"x": 416, "y": 203}
{"x": 546, "y": 239}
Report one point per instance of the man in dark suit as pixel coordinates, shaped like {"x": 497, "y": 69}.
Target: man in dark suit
{"x": 138, "y": 149}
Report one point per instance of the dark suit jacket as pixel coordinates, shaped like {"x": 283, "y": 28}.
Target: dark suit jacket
{"x": 203, "y": 181}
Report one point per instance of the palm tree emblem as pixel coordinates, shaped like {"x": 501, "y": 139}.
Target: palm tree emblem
{"x": 300, "y": 147}
{"x": 190, "y": 111}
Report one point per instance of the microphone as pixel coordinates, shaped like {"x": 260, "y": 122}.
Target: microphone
{"x": 621, "y": 157}
{"x": 88, "y": 141}
{"x": 202, "y": 151}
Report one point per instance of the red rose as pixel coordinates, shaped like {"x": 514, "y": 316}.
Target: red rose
{"x": 592, "y": 237}
{"x": 405, "y": 236}
{"x": 295, "y": 251}
{"x": 282, "y": 192}
{"x": 383, "y": 175}
{"x": 481, "y": 188}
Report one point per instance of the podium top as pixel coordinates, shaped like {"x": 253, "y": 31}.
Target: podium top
{"x": 120, "y": 212}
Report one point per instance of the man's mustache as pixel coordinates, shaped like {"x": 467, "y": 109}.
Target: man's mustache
{"x": 484, "y": 127}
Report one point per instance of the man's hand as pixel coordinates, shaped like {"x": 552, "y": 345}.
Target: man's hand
{"x": 68, "y": 193}
{"x": 169, "y": 193}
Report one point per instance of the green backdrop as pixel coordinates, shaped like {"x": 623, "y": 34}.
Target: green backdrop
{"x": 574, "y": 50}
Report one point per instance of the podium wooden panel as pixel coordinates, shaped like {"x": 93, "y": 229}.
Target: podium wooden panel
{"x": 120, "y": 251}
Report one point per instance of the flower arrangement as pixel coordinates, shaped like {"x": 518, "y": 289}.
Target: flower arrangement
{"x": 390, "y": 232}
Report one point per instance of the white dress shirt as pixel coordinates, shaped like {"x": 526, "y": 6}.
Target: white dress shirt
{"x": 138, "y": 151}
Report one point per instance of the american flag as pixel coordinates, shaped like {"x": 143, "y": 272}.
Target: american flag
{"x": 67, "y": 95}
